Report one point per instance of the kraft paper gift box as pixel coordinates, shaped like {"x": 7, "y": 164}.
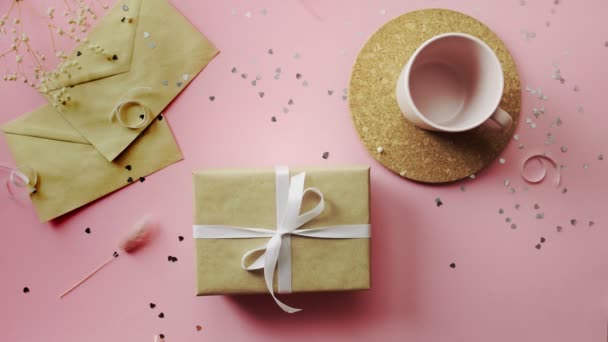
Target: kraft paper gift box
{"x": 80, "y": 150}
{"x": 248, "y": 198}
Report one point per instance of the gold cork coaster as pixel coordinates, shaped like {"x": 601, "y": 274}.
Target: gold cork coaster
{"x": 416, "y": 154}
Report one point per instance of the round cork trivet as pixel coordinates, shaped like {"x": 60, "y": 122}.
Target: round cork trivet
{"x": 414, "y": 153}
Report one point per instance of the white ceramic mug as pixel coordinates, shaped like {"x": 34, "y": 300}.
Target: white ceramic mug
{"x": 452, "y": 83}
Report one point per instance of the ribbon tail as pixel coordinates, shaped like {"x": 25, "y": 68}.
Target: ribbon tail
{"x": 270, "y": 262}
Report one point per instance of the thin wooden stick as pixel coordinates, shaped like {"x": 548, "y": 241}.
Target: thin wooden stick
{"x": 87, "y": 277}
{"x": 308, "y": 7}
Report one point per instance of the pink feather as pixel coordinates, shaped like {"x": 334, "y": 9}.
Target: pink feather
{"x": 141, "y": 235}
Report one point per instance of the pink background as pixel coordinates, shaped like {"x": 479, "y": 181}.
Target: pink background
{"x": 502, "y": 289}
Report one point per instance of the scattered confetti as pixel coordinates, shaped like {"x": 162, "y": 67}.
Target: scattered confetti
{"x": 542, "y": 240}
{"x": 152, "y": 45}
{"x": 130, "y": 180}
{"x": 537, "y": 246}
{"x": 600, "y": 157}
{"x": 171, "y": 258}
{"x": 298, "y": 76}
{"x": 564, "y": 149}
{"x": 591, "y": 223}
{"x": 573, "y": 222}
{"x": 128, "y": 167}
{"x": 254, "y": 83}
{"x": 165, "y": 83}
{"x": 382, "y": 12}
{"x": 501, "y": 211}
{"x": 502, "y": 160}
{"x": 264, "y": 11}
{"x": 508, "y": 220}
{"x": 142, "y": 179}
{"x": 270, "y": 52}
{"x": 261, "y": 94}
{"x": 285, "y": 110}
{"x": 380, "y": 149}
{"x": 325, "y": 155}
{"x": 559, "y": 229}
{"x": 180, "y": 238}
{"x": 528, "y": 34}
{"x": 211, "y": 98}
{"x": 536, "y": 206}
{"x": 564, "y": 190}
{"x": 161, "y": 315}
{"x": 146, "y": 35}
{"x": 243, "y": 76}
{"x": 507, "y": 182}
{"x": 290, "y": 102}
{"x": 88, "y": 230}
{"x": 540, "y": 216}
{"x": 125, "y": 8}
{"x": 248, "y": 15}
{"x": 78, "y": 53}
{"x": 178, "y": 84}
{"x": 26, "y": 289}
{"x": 152, "y": 305}
{"x": 513, "y": 226}
{"x": 516, "y": 137}
{"x": 462, "y": 188}
{"x": 296, "y": 55}
{"x": 517, "y": 206}
{"x": 585, "y": 166}
{"x": 273, "y": 119}
{"x": 199, "y": 328}
{"x": 576, "y": 88}
{"x": 305, "y": 83}
{"x": 185, "y": 77}
{"x": 234, "y": 70}
{"x": 330, "y": 92}
{"x": 438, "y": 202}
{"x": 452, "y": 265}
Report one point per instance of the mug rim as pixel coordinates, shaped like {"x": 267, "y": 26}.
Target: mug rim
{"x": 410, "y": 64}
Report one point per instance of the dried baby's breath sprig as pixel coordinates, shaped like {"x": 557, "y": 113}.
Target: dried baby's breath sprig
{"x": 25, "y": 62}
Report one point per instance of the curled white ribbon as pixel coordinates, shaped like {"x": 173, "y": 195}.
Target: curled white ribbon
{"x": 540, "y": 157}
{"x": 277, "y": 251}
{"x": 118, "y": 111}
{"x": 18, "y": 178}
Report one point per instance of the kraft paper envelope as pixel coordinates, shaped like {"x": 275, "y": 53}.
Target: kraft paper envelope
{"x": 77, "y": 151}
{"x": 153, "y": 53}
{"x": 71, "y": 172}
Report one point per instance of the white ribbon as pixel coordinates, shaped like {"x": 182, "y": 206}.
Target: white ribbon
{"x": 18, "y": 178}
{"x": 277, "y": 251}
{"x": 118, "y": 111}
{"x": 540, "y": 157}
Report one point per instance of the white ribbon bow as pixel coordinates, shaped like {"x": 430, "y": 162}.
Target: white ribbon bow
{"x": 277, "y": 251}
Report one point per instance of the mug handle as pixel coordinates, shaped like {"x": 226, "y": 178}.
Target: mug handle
{"x": 502, "y": 118}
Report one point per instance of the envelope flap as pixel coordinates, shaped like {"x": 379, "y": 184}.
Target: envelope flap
{"x": 44, "y": 123}
{"x": 107, "y": 51}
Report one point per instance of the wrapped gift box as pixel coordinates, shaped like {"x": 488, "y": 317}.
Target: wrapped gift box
{"x": 248, "y": 198}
